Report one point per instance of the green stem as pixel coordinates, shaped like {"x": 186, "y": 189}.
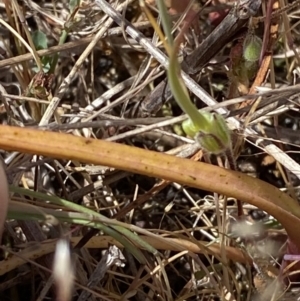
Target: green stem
{"x": 165, "y": 21}
{"x": 62, "y": 40}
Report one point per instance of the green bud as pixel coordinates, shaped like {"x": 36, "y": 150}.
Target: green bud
{"x": 189, "y": 128}
{"x": 214, "y": 136}
{"x": 252, "y": 48}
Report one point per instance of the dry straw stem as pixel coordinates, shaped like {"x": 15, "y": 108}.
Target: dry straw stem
{"x": 75, "y": 46}
{"x": 132, "y": 159}
{"x": 67, "y": 81}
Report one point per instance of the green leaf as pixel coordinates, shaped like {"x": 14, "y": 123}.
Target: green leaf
{"x": 40, "y": 40}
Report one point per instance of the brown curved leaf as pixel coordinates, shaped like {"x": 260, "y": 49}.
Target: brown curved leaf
{"x": 194, "y": 174}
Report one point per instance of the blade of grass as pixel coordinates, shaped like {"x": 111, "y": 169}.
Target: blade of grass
{"x": 118, "y": 226}
{"x": 23, "y": 211}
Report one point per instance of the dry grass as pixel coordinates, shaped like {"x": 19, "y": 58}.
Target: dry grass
{"x": 99, "y": 89}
